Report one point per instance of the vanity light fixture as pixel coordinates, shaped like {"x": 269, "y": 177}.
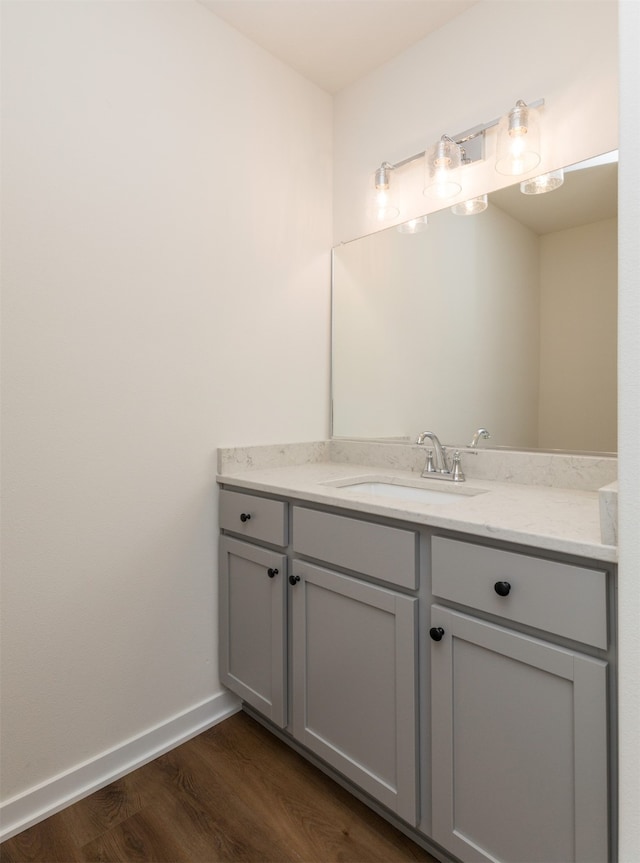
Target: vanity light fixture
{"x": 543, "y": 183}
{"x": 471, "y": 207}
{"x": 518, "y": 141}
{"x": 446, "y": 159}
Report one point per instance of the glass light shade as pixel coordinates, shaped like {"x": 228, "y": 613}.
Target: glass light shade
{"x": 543, "y": 183}
{"x": 442, "y": 170}
{"x": 518, "y": 150}
{"x": 382, "y": 206}
{"x": 414, "y": 226}
{"x": 471, "y": 207}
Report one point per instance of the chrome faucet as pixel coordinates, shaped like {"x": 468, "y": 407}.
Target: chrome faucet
{"x": 437, "y": 466}
{"x": 481, "y": 433}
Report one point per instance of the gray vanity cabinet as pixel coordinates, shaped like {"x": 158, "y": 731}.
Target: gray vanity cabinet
{"x": 519, "y": 723}
{"x": 335, "y": 646}
{"x": 252, "y": 597}
{"x": 509, "y": 656}
{"x": 354, "y": 682}
{"x": 354, "y": 679}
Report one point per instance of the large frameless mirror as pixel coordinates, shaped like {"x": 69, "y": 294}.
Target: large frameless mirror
{"x": 506, "y": 319}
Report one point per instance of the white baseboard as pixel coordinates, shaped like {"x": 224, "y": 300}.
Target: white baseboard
{"x": 49, "y": 797}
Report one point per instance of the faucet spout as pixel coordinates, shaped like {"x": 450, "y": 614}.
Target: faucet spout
{"x": 439, "y": 458}
{"x": 481, "y": 433}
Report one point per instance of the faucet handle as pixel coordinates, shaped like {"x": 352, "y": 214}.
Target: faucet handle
{"x": 429, "y": 468}
{"x": 457, "y": 474}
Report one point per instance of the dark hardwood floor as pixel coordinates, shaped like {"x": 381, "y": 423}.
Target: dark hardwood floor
{"x": 234, "y": 793}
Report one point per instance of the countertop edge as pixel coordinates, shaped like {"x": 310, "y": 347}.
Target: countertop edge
{"x": 248, "y": 480}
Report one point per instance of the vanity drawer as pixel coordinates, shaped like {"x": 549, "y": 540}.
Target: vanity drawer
{"x": 557, "y": 597}
{"x": 386, "y": 553}
{"x": 254, "y": 517}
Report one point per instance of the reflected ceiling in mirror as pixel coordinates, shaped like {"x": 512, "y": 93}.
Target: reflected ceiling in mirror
{"x": 506, "y": 320}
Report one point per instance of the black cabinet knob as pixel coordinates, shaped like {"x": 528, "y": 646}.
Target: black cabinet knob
{"x": 245, "y": 516}
{"x": 502, "y": 588}
{"x": 272, "y": 573}
{"x": 436, "y": 633}
{"x": 294, "y": 579}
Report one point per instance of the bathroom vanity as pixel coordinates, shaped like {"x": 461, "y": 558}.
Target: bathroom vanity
{"x": 446, "y": 652}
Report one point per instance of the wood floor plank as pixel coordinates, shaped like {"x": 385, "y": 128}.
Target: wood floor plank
{"x": 143, "y": 837}
{"x": 46, "y": 842}
{"x": 213, "y": 806}
{"x": 108, "y": 807}
{"x": 224, "y": 832}
{"x": 315, "y": 814}
{"x": 234, "y": 794}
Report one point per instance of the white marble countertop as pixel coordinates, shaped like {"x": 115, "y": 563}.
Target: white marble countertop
{"x": 556, "y": 519}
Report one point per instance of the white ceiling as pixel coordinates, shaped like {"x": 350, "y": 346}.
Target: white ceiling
{"x": 335, "y": 42}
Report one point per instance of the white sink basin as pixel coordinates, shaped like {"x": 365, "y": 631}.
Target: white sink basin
{"x": 392, "y": 488}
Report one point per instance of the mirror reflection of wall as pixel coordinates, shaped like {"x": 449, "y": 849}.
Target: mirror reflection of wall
{"x": 505, "y": 320}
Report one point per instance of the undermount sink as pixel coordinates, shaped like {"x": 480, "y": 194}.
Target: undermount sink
{"x": 392, "y": 488}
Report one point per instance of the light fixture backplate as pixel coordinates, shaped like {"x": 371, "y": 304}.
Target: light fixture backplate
{"x": 473, "y": 147}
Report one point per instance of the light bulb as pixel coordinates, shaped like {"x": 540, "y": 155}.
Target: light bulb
{"x": 382, "y": 176}
{"x": 382, "y": 205}
{"x": 518, "y": 141}
{"x": 442, "y": 166}
{"x": 385, "y": 208}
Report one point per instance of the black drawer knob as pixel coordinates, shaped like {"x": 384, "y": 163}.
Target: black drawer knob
{"x": 272, "y": 573}
{"x": 245, "y": 516}
{"x": 436, "y": 633}
{"x": 502, "y": 588}
{"x": 294, "y": 579}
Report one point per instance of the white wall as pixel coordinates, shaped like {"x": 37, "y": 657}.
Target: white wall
{"x": 166, "y": 234}
{"x": 579, "y": 309}
{"x": 469, "y": 72}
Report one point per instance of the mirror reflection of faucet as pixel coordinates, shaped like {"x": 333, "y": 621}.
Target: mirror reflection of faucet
{"x": 481, "y": 433}
{"x": 437, "y": 465}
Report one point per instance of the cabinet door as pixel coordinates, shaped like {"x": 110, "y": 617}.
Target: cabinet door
{"x": 519, "y": 746}
{"x": 354, "y": 682}
{"x": 252, "y": 626}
